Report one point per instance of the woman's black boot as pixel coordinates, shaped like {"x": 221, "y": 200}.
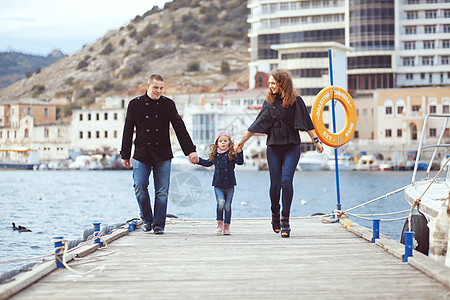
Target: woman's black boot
{"x": 285, "y": 229}
{"x": 276, "y": 226}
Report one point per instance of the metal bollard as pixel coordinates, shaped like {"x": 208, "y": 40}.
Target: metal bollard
{"x": 96, "y": 233}
{"x": 375, "y": 229}
{"x": 58, "y": 252}
{"x": 408, "y": 245}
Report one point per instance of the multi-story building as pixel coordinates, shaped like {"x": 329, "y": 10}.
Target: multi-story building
{"x": 423, "y": 43}
{"x": 31, "y": 125}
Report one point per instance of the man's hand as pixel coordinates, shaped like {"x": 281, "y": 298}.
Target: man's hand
{"x": 126, "y": 163}
{"x": 193, "y": 158}
{"x": 319, "y": 147}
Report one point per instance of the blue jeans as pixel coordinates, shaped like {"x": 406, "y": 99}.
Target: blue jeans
{"x": 224, "y": 196}
{"x": 282, "y": 161}
{"x": 161, "y": 180}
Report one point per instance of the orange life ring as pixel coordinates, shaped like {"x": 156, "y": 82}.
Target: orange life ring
{"x": 341, "y": 95}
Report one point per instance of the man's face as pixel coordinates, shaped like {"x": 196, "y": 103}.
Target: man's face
{"x": 155, "y": 89}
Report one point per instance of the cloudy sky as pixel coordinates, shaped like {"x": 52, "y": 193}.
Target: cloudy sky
{"x": 39, "y": 26}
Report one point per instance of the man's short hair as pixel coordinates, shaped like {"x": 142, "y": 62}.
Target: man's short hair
{"x": 157, "y": 77}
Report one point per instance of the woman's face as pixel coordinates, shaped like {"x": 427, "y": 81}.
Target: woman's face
{"x": 273, "y": 85}
{"x": 223, "y": 142}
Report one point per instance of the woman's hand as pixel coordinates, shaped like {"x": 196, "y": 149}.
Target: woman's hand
{"x": 319, "y": 146}
{"x": 238, "y": 147}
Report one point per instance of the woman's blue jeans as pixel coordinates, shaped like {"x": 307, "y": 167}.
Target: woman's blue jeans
{"x": 224, "y": 197}
{"x": 161, "y": 180}
{"x": 282, "y": 161}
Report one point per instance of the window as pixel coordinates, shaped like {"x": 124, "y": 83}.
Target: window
{"x": 46, "y": 132}
{"x": 427, "y": 60}
{"x": 430, "y": 14}
{"x": 12, "y": 111}
{"x": 409, "y": 76}
{"x": 89, "y": 117}
{"x": 444, "y": 60}
{"x": 81, "y": 134}
{"x": 97, "y": 116}
{"x": 46, "y": 112}
{"x": 115, "y": 133}
{"x": 106, "y": 134}
{"x": 432, "y": 109}
{"x": 446, "y": 44}
{"x": 447, "y": 13}
{"x": 430, "y": 29}
{"x": 26, "y": 133}
{"x": 445, "y": 109}
{"x": 446, "y": 28}
{"x": 388, "y": 133}
{"x": 410, "y": 30}
{"x": 364, "y": 112}
{"x": 412, "y": 15}
{"x": 106, "y": 116}
{"x": 428, "y": 44}
{"x": 422, "y": 76}
{"x": 408, "y": 61}
{"x": 29, "y": 111}
{"x": 115, "y": 116}
{"x": 399, "y": 110}
{"x": 89, "y": 135}
{"x": 399, "y": 133}
{"x": 410, "y": 45}
{"x": 81, "y": 117}
{"x": 97, "y": 134}
{"x": 432, "y": 132}
{"x": 416, "y": 108}
{"x": 388, "y": 110}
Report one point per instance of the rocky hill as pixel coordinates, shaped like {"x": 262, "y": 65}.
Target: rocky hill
{"x": 16, "y": 65}
{"x": 198, "y": 46}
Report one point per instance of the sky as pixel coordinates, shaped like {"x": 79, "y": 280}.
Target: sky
{"x": 39, "y": 26}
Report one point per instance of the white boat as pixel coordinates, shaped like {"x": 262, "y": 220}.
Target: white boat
{"x": 430, "y": 196}
{"x": 346, "y": 162}
{"x": 313, "y": 161}
{"x": 368, "y": 162}
{"x": 19, "y": 158}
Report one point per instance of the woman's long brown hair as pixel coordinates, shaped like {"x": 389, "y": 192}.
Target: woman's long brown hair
{"x": 213, "y": 150}
{"x": 284, "y": 80}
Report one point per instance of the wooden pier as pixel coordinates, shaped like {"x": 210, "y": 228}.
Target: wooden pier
{"x": 318, "y": 261}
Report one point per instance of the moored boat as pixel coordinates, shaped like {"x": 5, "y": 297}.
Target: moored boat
{"x": 430, "y": 197}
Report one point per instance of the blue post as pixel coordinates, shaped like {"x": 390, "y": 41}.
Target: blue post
{"x": 338, "y": 193}
{"x": 58, "y": 252}
{"x": 131, "y": 226}
{"x": 96, "y": 233}
{"x": 376, "y": 229}
{"x": 408, "y": 245}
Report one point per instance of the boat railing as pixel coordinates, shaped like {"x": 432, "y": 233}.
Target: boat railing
{"x": 432, "y": 146}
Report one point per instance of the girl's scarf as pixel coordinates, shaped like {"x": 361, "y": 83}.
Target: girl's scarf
{"x": 221, "y": 151}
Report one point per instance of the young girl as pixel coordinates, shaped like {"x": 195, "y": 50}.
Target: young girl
{"x": 223, "y": 156}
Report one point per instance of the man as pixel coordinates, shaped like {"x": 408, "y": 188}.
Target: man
{"x": 151, "y": 114}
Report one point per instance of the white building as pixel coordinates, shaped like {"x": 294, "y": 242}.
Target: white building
{"x": 99, "y": 130}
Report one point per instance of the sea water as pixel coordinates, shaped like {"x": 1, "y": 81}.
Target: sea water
{"x": 66, "y": 203}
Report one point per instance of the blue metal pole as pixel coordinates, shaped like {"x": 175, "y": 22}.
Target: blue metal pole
{"x": 96, "y": 233}
{"x": 375, "y": 229}
{"x": 408, "y": 245}
{"x": 338, "y": 193}
{"x": 58, "y": 251}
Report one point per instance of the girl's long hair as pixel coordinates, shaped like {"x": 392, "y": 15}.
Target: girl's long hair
{"x": 287, "y": 91}
{"x": 213, "y": 150}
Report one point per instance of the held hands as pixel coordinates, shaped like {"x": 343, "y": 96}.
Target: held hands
{"x": 238, "y": 147}
{"x": 193, "y": 158}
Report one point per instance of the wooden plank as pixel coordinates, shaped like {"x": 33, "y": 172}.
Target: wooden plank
{"x": 189, "y": 261}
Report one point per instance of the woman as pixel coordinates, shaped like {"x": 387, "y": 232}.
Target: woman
{"x": 281, "y": 116}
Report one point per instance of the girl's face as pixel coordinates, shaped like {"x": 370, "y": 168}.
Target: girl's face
{"x": 223, "y": 142}
{"x": 273, "y": 85}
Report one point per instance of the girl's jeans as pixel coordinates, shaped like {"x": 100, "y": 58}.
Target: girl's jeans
{"x": 224, "y": 196}
{"x": 282, "y": 161}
